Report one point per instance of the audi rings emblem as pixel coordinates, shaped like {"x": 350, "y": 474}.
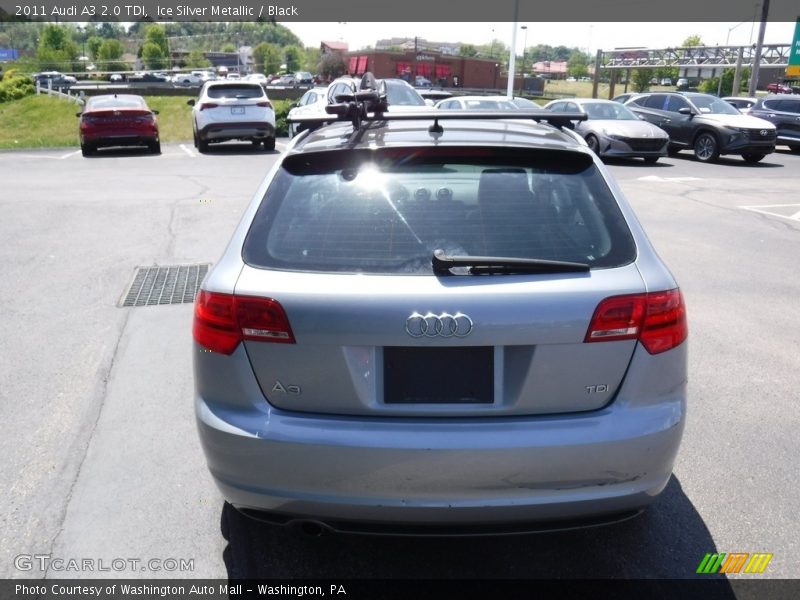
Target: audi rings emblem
{"x": 442, "y": 325}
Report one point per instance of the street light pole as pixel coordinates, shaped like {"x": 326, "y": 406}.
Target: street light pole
{"x": 512, "y": 58}
{"x": 727, "y": 39}
{"x": 524, "y": 48}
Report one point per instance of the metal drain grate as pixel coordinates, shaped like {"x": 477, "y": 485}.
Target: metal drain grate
{"x": 173, "y": 284}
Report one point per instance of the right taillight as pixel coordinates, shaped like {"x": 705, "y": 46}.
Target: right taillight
{"x": 222, "y": 321}
{"x": 656, "y": 319}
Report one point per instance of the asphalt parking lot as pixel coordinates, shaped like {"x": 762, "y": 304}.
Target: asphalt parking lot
{"x": 100, "y": 455}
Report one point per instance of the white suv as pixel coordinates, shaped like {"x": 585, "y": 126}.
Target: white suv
{"x": 232, "y": 110}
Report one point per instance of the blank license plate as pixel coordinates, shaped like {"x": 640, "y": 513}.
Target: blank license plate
{"x": 237, "y": 110}
{"x": 438, "y": 375}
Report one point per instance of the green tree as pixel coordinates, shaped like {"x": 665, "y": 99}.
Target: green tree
{"x": 110, "y": 54}
{"x": 693, "y": 40}
{"x": 331, "y": 65}
{"x": 56, "y": 48}
{"x": 229, "y": 47}
{"x": 311, "y": 59}
{"x": 93, "y": 44}
{"x": 641, "y": 79}
{"x": 293, "y": 56}
{"x": 197, "y": 60}
{"x": 156, "y": 34}
{"x": 467, "y": 50}
{"x": 577, "y": 65}
{"x": 710, "y": 86}
{"x": 667, "y": 72}
{"x": 267, "y": 58}
{"x": 153, "y": 56}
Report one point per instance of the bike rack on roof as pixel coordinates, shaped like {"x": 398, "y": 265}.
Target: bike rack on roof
{"x": 370, "y": 104}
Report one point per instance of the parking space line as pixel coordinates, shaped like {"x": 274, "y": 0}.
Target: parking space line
{"x": 186, "y": 149}
{"x": 760, "y": 208}
{"x": 76, "y": 152}
{"x": 659, "y": 179}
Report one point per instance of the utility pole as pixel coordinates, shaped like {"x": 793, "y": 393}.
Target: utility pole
{"x": 759, "y": 46}
{"x": 512, "y": 58}
{"x": 414, "y": 74}
{"x": 524, "y": 47}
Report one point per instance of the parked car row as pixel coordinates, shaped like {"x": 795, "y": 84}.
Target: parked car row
{"x": 712, "y": 126}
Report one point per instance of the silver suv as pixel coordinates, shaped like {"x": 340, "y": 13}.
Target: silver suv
{"x": 439, "y": 320}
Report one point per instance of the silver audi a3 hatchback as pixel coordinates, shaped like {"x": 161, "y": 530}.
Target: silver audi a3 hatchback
{"x": 431, "y": 322}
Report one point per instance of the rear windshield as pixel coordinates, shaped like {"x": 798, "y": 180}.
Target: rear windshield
{"x": 100, "y": 102}
{"x": 235, "y": 90}
{"x": 402, "y": 94}
{"x": 386, "y": 211}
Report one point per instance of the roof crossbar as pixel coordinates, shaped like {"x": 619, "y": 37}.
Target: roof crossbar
{"x": 369, "y": 104}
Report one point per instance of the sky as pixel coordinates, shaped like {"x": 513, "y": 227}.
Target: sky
{"x": 589, "y": 36}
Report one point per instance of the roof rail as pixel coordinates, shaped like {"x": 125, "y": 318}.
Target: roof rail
{"x": 370, "y": 104}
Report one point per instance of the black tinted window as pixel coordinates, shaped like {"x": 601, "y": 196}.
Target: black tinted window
{"x": 235, "y": 90}
{"x": 792, "y": 106}
{"x": 387, "y": 211}
{"x": 676, "y": 103}
{"x": 657, "y": 101}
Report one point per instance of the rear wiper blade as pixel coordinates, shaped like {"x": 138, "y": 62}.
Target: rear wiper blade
{"x": 489, "y": 265}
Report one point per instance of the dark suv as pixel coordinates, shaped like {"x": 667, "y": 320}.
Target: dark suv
{"x": 783, "y": 111}
{"x": 706, "y": 124}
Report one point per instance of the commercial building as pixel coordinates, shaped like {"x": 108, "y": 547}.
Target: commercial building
{"x": 441, "y": 69}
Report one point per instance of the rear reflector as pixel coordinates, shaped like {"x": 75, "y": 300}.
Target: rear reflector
{"x": 656, "y": 319}
{"x": 222, "y": 321}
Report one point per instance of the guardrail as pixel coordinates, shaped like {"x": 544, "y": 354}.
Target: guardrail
{"x": 78, "y": 98}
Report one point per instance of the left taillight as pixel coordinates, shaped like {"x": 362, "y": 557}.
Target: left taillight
{"x": 222, "y": 321}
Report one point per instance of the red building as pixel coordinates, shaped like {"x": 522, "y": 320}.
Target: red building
{"x": 441, "y": 69}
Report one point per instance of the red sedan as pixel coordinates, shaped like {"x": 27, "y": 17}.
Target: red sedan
{"x": 779, "y": 88}
{"x": 118, "y": 120}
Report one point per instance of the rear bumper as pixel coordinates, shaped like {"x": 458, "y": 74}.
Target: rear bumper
{"x": 119, "y": 137}
{"x": 236, "y": 131}
{"x": 450, "y": 471}
{"x": 126, "y": 140}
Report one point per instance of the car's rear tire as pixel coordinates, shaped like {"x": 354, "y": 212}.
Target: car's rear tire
{"x": 269, "y": 144}
{"x": 154, "y": 147}
{"x": 753, "y": 158}
{"x": 651, "y": 159}
{"x": 202, "y": 145}
{"x": 88, "y": 149}
{"x": 706, "y": 147}
{"x": 594, "y": 145}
